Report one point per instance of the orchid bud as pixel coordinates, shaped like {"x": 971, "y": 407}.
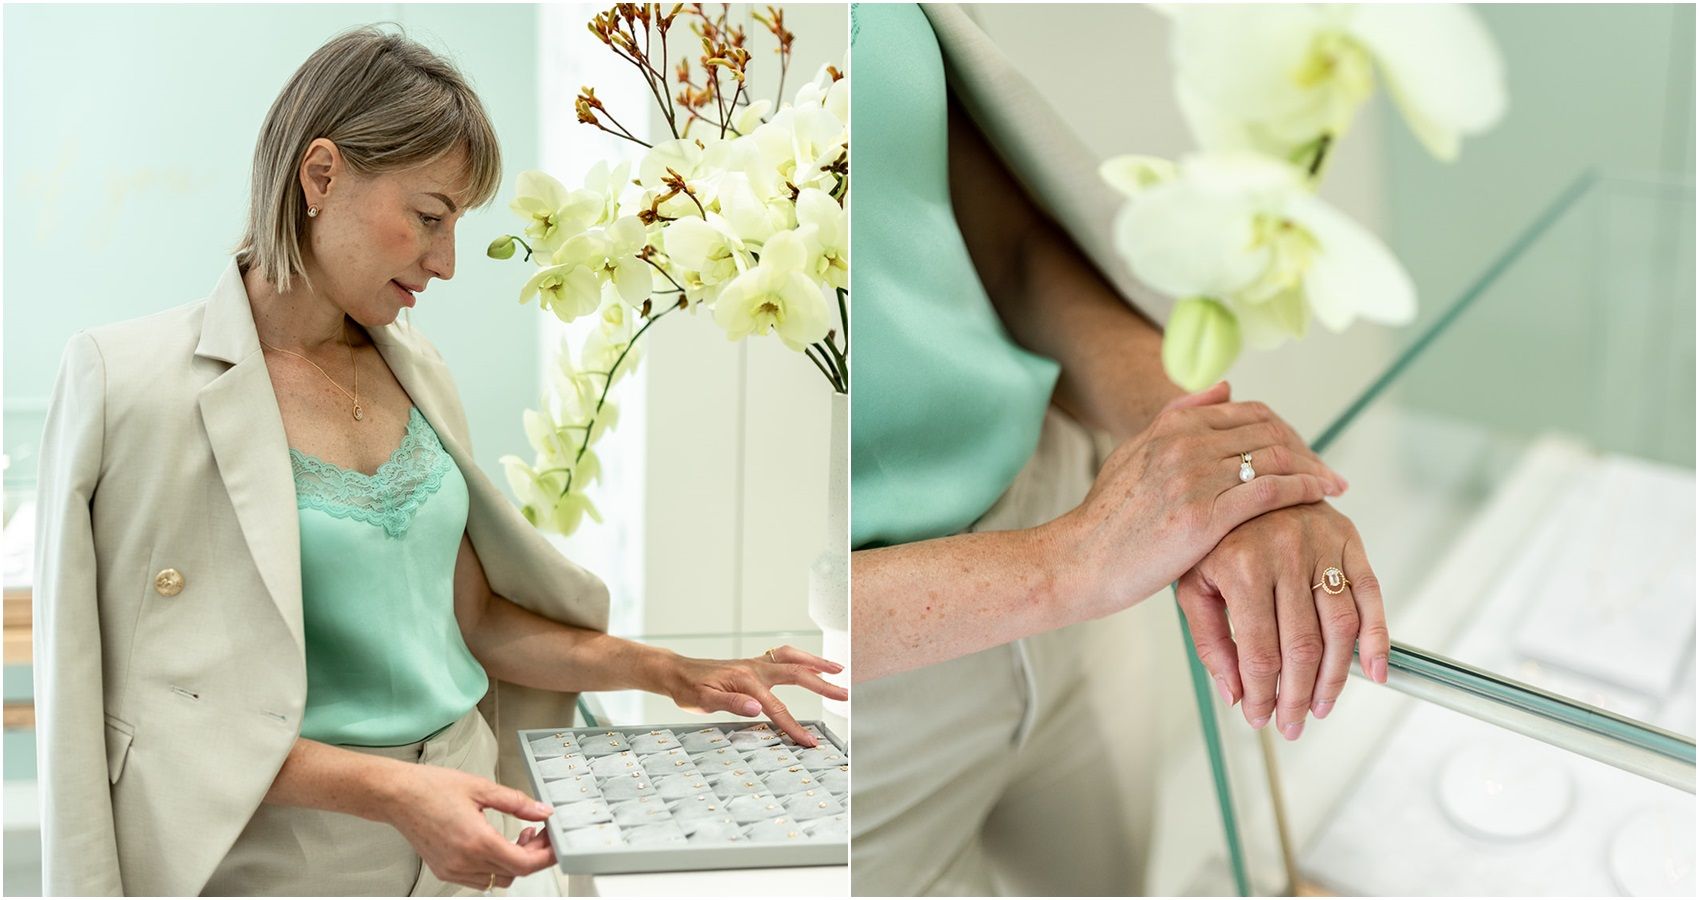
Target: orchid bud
{"x": 1200, "y": 343}
{"x": 501, "y": 247}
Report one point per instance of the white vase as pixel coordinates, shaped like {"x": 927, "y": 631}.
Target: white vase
{"x": 828, "y": 577}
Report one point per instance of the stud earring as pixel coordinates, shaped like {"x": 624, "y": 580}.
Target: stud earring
{"x": 312, "y": 212}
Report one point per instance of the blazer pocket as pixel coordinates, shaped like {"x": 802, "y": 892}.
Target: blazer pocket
{"x": 118, "y": 737}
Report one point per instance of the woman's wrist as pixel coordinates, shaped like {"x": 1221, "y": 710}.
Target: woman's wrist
{"x": 1051, "y": 553}
{"x": 658, "y": 669}
{"x": 381, "y": 788}
{"x": 1077, "y": 570}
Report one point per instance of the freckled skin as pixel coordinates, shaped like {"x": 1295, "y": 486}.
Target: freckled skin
{"x": 1127, "y": 541}
{"x": 370, "y": 230}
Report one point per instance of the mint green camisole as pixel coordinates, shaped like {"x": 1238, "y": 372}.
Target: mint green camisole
{"x": 386, "y": 664}
{"x": 946, "y": 406}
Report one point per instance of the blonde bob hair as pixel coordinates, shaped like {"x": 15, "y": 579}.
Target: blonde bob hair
{"x": 389, "y": 104}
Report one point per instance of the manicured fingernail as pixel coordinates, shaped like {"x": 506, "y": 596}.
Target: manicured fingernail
{"x": 1323, "y": 708}
{"x": 1259, "y": 723}
{"x": 1293, "y": 729}
{"x": 1226, "y": 694}
{"x": 543, "y": 809}
{"x": 1380, "y": 669}
{"x": 752, "y": 708}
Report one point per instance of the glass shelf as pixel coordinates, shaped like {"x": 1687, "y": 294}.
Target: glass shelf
{"x": 1523, "y": 478}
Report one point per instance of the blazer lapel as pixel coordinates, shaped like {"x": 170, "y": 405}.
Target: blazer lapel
{"x": 245, "y": 428}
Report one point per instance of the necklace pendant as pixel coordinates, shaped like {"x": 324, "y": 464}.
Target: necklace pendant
{"x": 357, "y": 413}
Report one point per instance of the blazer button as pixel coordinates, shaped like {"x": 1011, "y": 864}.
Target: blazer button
{"x": 169, "y": 582}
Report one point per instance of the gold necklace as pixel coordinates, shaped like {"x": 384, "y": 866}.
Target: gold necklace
{"x": 354, "y": 396}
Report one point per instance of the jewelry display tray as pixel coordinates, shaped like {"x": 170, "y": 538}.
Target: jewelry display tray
{"x": 795, "y": 845}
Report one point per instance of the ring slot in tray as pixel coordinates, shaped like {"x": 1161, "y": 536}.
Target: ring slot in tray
{"x": 750, "y": 797}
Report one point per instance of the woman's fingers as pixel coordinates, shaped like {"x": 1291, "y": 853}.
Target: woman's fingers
{"x": 1269, "y": 454}
{"x": 1234, "y": 414}
{"x": 780, "y": 714}
{"x": 1265, "y": 493}
{"x": 805, "y": 678}
{"x": 1250, "y": 603}
{"x": 514, "y": 859}
{"x": 1373, "y": 640}
{"x": 789, "y": 654}
{"x": 1300, "y": 652}
{"x": 714, "y": 700}
{"x": 537, "y": 838}
{"x": 1337, "y": 614}
{"x": 1215, "y": 393}
{"x": 514, "y": 803}
{"x": 1206, "y": 618}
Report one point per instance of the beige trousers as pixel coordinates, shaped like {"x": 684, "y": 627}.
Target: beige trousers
{"x": 297, "y": 851}
{"x": 994, "y": 773}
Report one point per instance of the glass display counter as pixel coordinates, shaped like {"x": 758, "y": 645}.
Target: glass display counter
{"x": 1522, "y": 476}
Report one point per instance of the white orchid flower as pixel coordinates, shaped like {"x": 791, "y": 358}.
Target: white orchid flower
{"x": 611, "y": 254}
{"x": 828, "y": 225}
{"x": 828, "y": 93}
{"x": 610, "y": 340}
{"x": 688, "y": 158}
{"x": 551, "y": 212}
{"x": 1244, "y": 231}
{"x": 750, "y": 117}
{"x": 799, "y": 143}
{"x": 568, "y": 290}
{"x": 776, "y": 295}
{"x": 755, "y": 216}
{"x": 710, "y": 250}
{"x": 608, "y": 183}
{"x": 1276, "y": 77}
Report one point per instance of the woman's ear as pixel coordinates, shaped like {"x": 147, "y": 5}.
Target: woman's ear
{"x": 321, "y": 165}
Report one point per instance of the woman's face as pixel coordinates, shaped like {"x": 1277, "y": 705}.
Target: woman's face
{"x": 375, "y": 236}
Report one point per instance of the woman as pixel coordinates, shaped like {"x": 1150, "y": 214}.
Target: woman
{"x": 988, "y": 529}
{"x": 279, "y": 608}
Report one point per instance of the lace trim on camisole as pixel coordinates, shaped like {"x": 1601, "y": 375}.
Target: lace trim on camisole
{"x": 388, "y": 498}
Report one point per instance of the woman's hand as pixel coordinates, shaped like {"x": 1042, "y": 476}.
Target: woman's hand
{"x": 1286, "y": 631}
{"x": 743, "y": 686}
{"x": 440, "y": 811}
{"x": 1168, "y": 495}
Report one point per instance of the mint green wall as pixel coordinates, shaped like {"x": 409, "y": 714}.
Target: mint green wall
{"x": 1603, "y": 307}
{"x": 128, "y": 136}
{"x": 129, "y": 131}
{"x": 1608, "y": 85}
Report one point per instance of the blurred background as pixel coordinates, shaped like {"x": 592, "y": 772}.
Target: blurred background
{"x": 1579, "y": 346}
{"x": 129, "y": 131}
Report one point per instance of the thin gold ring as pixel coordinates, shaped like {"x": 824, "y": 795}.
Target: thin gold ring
{"x": 1332, "y": 581}
{"x": 491, "y": 886}
{"x": 771, "y": 657}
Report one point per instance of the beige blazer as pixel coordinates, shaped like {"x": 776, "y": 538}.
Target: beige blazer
{"x": 1042, "y": 151}
{"x": 163, "y": 712}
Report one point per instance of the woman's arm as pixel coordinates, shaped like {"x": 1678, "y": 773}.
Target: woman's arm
{"x": 517, "y": 645}
{"x": 1054, "y": 302}
{"x": 1050, "y": 296}
{"x": 1160, "y": 502}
